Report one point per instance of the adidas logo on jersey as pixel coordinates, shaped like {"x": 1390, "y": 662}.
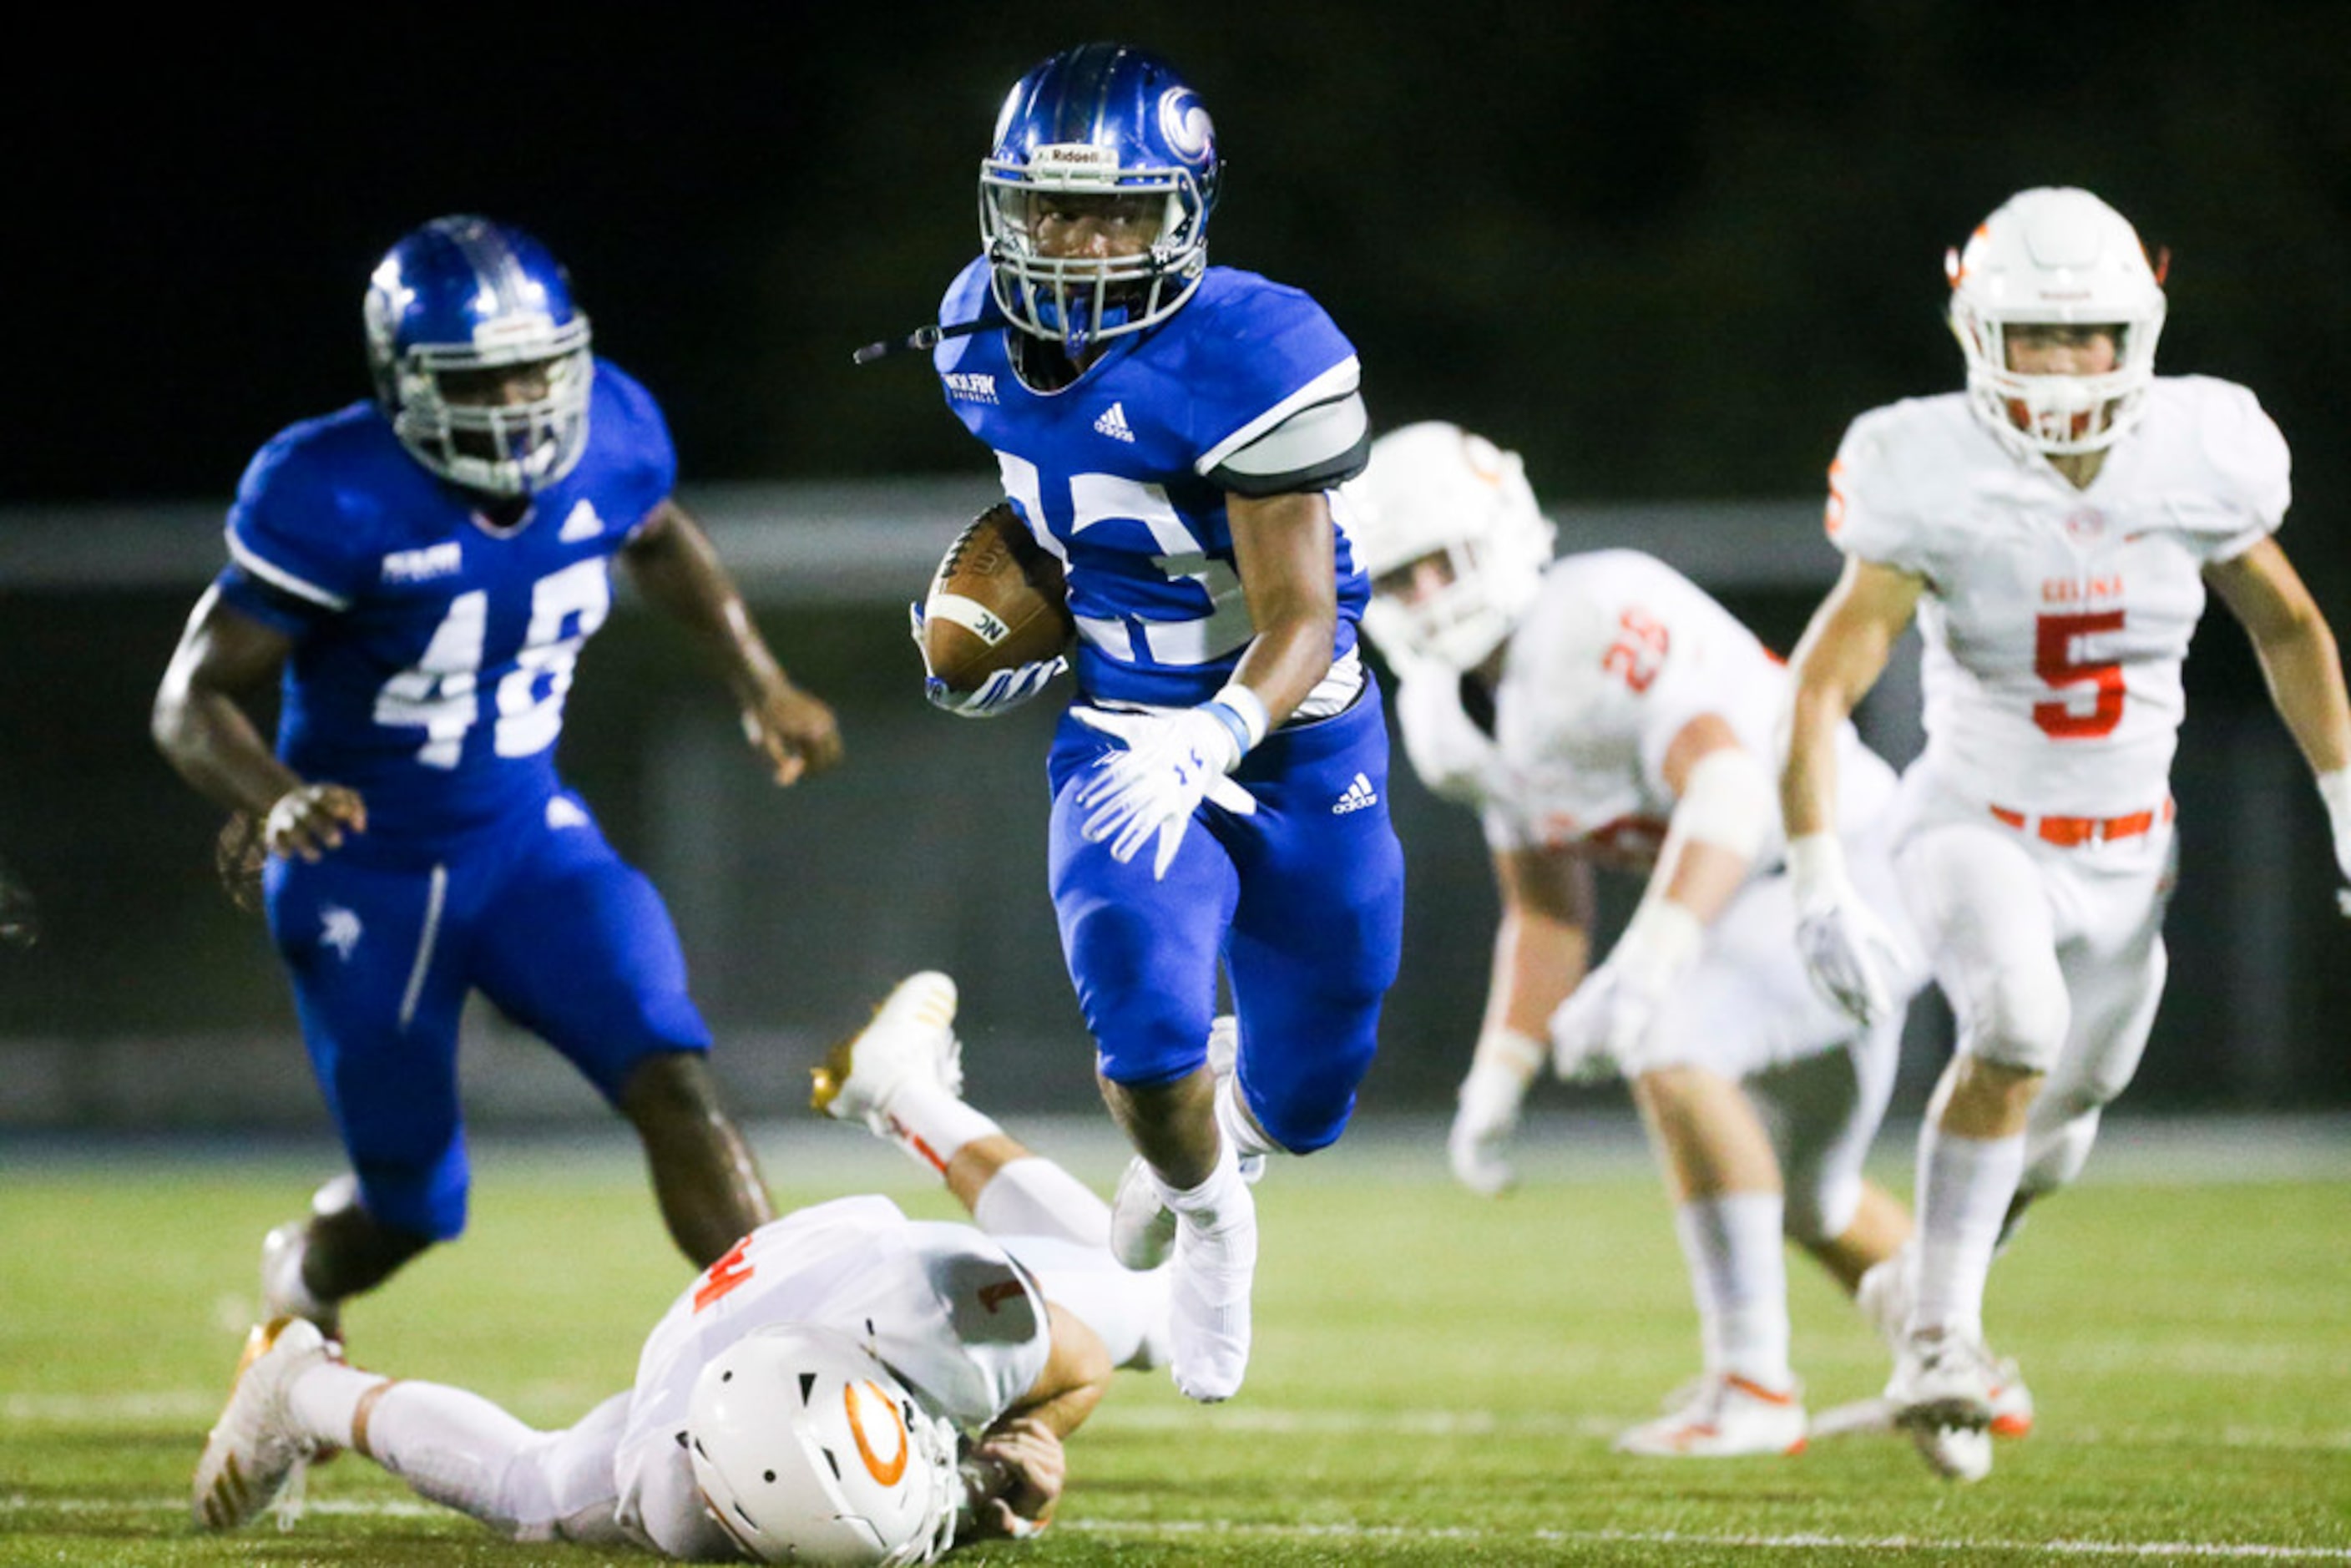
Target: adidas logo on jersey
{"x": 582, "y": 524}
{"x": 1359, "y": 795}
{"x": 1114, "y": 425}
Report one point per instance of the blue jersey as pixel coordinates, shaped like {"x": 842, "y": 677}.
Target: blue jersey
{"x": 433, "y": 649}
{"x": 1122, "y": 473}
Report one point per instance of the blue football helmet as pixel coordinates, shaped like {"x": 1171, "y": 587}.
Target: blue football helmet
{"x": 461, "y": 297}
{"x": 1107, "y": 122}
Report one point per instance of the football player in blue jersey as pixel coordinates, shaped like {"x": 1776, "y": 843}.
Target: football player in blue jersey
{"x": 1172, "y": 432}
{"x": 418, "y": 572}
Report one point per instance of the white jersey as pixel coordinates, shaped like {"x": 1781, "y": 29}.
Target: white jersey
{"x": 940, "y": 1305}
{"x": 1615, "y": 655}
{"x": 2056, "y": 619}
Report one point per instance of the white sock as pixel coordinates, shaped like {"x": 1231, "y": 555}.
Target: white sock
{"x": 1738, "y": 1275}
{"x": 1208, "y": 1292}
{"x": 932, "y": 1125}
{"x": 1964, "y": 1185}
{"x": 1034, "y": 1196}
{"x": 324, "y": 1399}
{"x": 1219, "y": 1190}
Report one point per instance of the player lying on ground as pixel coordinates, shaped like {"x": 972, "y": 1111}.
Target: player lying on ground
{"x": 845, "y": 1385}
{"x": 1600, "y": 711}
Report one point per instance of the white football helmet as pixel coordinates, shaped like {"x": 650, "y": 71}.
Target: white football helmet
{"x": 807, "y": 1449}
{"x": 1434, "y": 489}
{"x": 2054, "y": 254}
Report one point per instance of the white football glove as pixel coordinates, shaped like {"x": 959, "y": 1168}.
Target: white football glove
{"x": 1001, "y": 692}
{"x": 1586, "y": 1027}
{"x": 1488, "y": 1102}
{"x": 1604, "y": 1025}
{"x": 1847, "y": 949}
{"x": 2335, "y": 789}
{"x": 1173, "y": 761}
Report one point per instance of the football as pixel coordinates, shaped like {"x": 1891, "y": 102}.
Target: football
{"x": 996, "y": 602}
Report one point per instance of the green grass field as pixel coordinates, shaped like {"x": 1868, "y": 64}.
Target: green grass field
{"x": 1436, "y": 1377}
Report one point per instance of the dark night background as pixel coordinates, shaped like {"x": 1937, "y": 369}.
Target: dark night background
{"x": 1667, "y": 251}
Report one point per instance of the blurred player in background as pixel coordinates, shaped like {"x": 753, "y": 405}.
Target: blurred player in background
{"x": 20, "y": 914}
{"x": 420, "y": 572}
{"x": 806, "y": 1398}
{"x": 1601, "y": 712}
{"x": 2053, "y": 529}
{"x": 1171, "y": 432}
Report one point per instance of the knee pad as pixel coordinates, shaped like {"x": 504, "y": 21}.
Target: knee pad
{"x": 2017, "y": 1019}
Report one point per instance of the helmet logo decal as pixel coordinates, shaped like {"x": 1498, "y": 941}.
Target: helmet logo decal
{"x": 855, "y": 1398}
{"x": 1185, "y": 125}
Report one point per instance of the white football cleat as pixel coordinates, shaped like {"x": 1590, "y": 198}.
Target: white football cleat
{"x": 1956, "y": 1453}
{"x": 1884, "y": 1298}
{"x": 1209, "y": 1299}
{"x": 2012, "y": 1401}
{"x": 1142, "y": 1225}
{"x": 910, "y": 1038}
{"x": 1942, "y": 1379}
{"x": 1719, "y": 1417}
{"x": 255, "y": 1450}
{"x": 283, "y": 1293}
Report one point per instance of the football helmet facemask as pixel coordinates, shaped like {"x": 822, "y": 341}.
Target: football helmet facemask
{"x": 448, "y": 308}
{"x": 1434, "y": 490}
{"x": 806, "y": 1448}
{"x": 2056, "y": 256}
{"x": 1098, "y": 124}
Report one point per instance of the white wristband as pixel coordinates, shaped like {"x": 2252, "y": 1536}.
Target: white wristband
{"x": 2335, "y": 789}
{"x": 1816, "y": 869}
{"x": 1248, "y": 707}
{"x": 1520, "y": 1055}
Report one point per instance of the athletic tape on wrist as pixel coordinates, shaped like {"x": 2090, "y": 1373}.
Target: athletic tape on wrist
{"x": 1506, "y": 1048}
{"x": 1247, "y": 711}
{"x": 2335, "y": 789}
{"x": 1816, "y": 867}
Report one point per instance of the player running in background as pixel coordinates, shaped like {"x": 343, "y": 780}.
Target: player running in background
{"x": 1601, "y": 712}
{"x": 2053, "y": 529}
{"x": 806, "y": 1398}
{"x": 1171, "y": 432}
{"x": 420, "y": 572}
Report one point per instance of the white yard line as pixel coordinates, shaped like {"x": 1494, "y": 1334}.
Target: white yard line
{"x": 1807, "y": 1541}
{"x": 1202, "y": 1531}
{"x": 196, "y": 1407}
